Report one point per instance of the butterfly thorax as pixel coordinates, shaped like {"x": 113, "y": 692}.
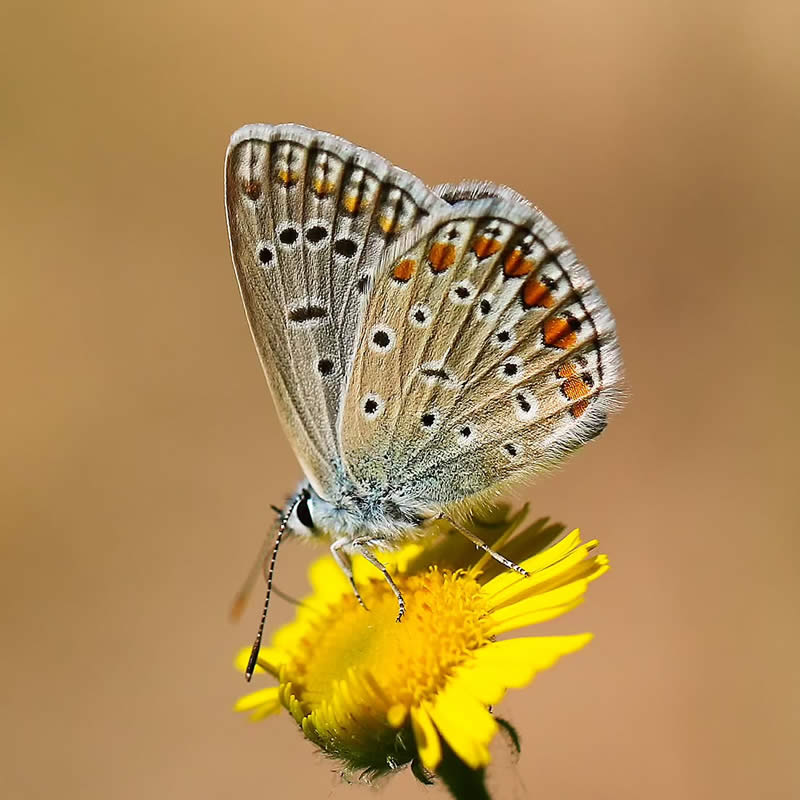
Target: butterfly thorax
{"x": 358, "y": 512}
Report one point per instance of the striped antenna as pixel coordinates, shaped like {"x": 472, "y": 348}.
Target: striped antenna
{"x": 251, "y": 664}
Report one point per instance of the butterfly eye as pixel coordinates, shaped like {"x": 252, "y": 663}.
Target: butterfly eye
{"x": 304, "y": 513}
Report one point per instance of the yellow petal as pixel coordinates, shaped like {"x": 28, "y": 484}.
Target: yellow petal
{"x": 264, "y": 702}
{"x": 485, "y": 685}
{"x": 532, "y": 618}
{"x": 397, "y": 714}
{"x": 575, "y": 566}
{"x": 405, "y": 555}
{"x": 465, "y": 724}
{"x": 500, "y": 541}
{"x": 428, "y": 745}
{"x": 535, "y": 564}
{"x": 513, "y": 663}
{"x": 538, "y": 608}
{"x": 520, "y": 659}
{"x": 364, "y": 572}
{"x": 327, "y": 580}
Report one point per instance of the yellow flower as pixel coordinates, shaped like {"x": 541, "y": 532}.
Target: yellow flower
{"x": 378, "y": 694}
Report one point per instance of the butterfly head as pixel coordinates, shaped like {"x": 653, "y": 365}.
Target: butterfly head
{"x": 304, "y": 513}
{"x": 310, "y": 515}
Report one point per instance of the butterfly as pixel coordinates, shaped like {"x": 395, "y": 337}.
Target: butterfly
{"x": 426, "y": 348}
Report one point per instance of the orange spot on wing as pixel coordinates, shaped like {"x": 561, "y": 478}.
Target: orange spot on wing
{"x": 516, "y": 265}
{"x": 568, "y": 370}
{"x": 579, "y": 408}
{"x": 287, "y": 177}
{"x": 442, "y": 256}
{"x": 252, "y": 189}
{"x": 484, "y": 247}
{"x": 405, "y": 270}
{"x": 323, "y": 188}
{"x": 536, "y": 294}
{"x": 574, "y": 388}
{"x": 560, "y": 332}
{"x": 388, "y": 224}
{"x": 354, "y": 203}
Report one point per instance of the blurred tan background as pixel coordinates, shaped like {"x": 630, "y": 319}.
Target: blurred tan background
{"x": 141, "y": 449}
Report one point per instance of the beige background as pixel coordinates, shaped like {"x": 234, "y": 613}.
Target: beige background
{"x": 141, "y": 449}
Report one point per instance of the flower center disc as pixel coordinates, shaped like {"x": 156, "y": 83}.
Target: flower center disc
{"x": 406, "y": 662}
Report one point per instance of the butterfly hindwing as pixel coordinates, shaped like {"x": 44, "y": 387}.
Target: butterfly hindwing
{"x": 486, "y": 353}
{"x": 310, "y": 216}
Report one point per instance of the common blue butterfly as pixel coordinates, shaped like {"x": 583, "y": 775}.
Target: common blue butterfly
{"x": 426, "y": 348}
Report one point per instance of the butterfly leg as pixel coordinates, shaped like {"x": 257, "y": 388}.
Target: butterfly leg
{"x": 479, "y": 543}
{"x": 344, "y": 564}
{"x": 362, "y": 547}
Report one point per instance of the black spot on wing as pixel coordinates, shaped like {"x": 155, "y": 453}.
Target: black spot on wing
{"x": 307, "y": 313}
{"x": 440, "y": 374}
{"x": 288, "y": 236}
{"x": 345, "y": 247}
{"x": 316, "y": 234}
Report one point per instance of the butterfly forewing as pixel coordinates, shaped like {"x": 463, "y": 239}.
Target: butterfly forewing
{"x": 486, "y": 353}
{"x": 310, "y": 216}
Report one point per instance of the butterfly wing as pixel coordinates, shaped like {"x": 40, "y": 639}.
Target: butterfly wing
{"x": 309, "y": 217}
{"x": 486, "y": 353}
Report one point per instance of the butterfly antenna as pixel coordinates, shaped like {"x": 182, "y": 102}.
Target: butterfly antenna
{"x": 251, "y": 664}
{"x": 243, "y": 595}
